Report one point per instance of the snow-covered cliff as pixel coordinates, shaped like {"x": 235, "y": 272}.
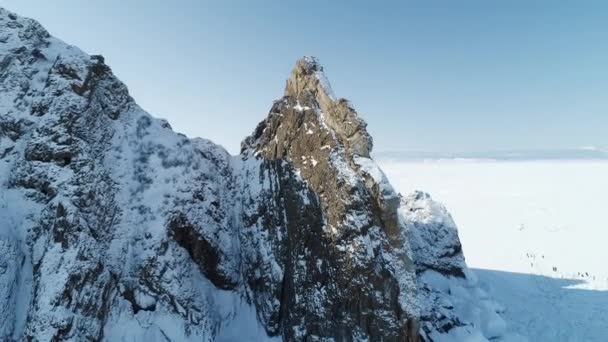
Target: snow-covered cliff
{"x": 113, "y": 227}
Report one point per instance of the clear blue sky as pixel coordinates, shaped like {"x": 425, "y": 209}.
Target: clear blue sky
{"x": 447, "y": 76}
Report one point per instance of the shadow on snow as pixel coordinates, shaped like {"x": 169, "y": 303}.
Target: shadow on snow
{"x": 548, "y": 309}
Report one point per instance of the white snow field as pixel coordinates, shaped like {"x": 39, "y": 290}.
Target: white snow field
{"x": 535, "y": 233}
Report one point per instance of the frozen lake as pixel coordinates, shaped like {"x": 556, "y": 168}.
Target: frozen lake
{"x": 541, "y": 217}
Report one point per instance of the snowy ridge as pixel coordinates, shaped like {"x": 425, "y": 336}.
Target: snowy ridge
{"x": 89, "y": 183}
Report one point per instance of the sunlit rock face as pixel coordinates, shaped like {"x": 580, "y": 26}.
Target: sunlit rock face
{"x": 345, "y": 268}
{"x": 114, "y": 227}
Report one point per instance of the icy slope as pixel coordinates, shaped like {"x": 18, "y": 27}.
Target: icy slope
{"x": 114, "y": 227}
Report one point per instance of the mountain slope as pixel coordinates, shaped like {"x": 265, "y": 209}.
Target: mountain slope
{"x": 114, "y": 227}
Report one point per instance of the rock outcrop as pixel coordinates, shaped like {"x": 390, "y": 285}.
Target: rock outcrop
{"x": 114, "y": 227}
{"x": 346, "y": 271}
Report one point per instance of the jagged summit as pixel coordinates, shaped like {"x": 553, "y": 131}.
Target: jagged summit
{"x": 308, "y": 78}
{"x": 309, "y": 64}
{"x": 308, "y": 94}
{"x": 308, "y": 75}
{"x": 321, "y": 140}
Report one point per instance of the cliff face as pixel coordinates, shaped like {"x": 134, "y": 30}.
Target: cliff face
{"x": 114, "y": 227}
{"x": 346, "y": 271}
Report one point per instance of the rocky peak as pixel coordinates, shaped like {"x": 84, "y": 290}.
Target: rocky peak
{"x": 346, "y": 217}
{"x": 327, "y": 141}
{"x": 309, "y": 87}
{"x": 308, "y": 77}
